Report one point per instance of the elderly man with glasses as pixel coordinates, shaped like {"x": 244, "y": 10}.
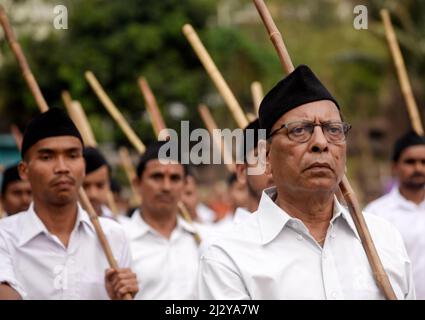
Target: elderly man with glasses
{"x": 302, "y": 243}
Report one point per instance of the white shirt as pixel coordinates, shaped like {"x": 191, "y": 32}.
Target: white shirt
{"x": 37, "y": 265}
{"x": 241, "y": 214}
{"x": 205, "y": 214}
{"x": 409, "y": 219}
{"x": 120, "y": 218}
{"x": 273, "y": 256}
{"x": 166, "y": 268}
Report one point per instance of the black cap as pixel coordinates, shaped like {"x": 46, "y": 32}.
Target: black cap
{"x": 153, "y": 153}
{"x": 94, "y": 159}
{"x": 298, "y": 88}
{"x": 52, "y": 123}
{"x": 409, "y": 139}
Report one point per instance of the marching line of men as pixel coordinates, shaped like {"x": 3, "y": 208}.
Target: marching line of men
{"x": 289, "y": 238}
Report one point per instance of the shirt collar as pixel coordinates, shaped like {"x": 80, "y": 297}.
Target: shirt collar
{"x": 140, "y": 227}
{"x": 241, "y": 214}
{"x": 32, "y": 225}
{"x": 272, "y": 218}
{"x": 401, "y": 201}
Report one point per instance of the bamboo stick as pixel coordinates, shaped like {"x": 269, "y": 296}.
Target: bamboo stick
{"x": 79, "y": 111}
{"x": 152, "y": 107}
{"x": 381, "y": 277}
{"x": 211, "y": 125}
{"x": 215, "y": 75}
{"x": 257, "y": 94}
{"x": 186, "y": 216}
{"x": 130, "y": 173}
{"x": 17, "y": 135}
{"x": 78, "y": 117}
{"x": 42, "y": 105}
{"x": 22, "y": 61}
{"x": 403, "y": 77}
{"x": 250, "y": 116}
{"x": 114, "y": 112}
{"x": 2, "y": 214}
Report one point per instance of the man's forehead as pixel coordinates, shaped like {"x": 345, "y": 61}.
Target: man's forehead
{"x": 162, "y": 165}
{"x": 99, "y": 173}
{"x": 20, "y": 184}
{"x": 417, "y": 151}
{"x": 322, "y": 109}
{"x": 58, "y": 144}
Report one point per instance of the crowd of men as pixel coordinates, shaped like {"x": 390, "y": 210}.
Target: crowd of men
{"x": 288, "y": 235}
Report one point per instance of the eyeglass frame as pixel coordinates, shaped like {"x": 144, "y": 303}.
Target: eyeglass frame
{"x": 346, "y": 129}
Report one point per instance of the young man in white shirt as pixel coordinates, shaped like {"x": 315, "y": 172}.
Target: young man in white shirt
{"x": 165, "y": 253}
{"x": 301, "y": 243}
{"x": 404, "y": 206}
{"x": 51, "y": 251}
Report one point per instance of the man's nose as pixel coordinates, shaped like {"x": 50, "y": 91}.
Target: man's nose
{"x": 318, "y": 141}
{"x": 166, "y": 184}
{"x": 61, "y": 165}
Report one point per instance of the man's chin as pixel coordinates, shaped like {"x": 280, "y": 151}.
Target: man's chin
{"x": 64, "y": 199}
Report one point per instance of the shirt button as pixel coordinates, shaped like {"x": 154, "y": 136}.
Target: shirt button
{"x": 333, "y": 235}
{"x": 300, "y": 237}
{"x": 334, "y": 295}
{"x": 324, "y": 255}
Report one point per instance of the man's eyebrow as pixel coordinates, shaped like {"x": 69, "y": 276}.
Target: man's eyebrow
{"x": 48, "y": 150}
{"x": 45, "y": 150}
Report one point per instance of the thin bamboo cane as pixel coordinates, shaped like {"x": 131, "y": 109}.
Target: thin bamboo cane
{"x": 211, "y": 126}
{"x": 215, "y": 75}
{"x": 403, "y": 77}
{"x": 114, "y": 112}
{"x": 130, "y": 171}
{"x": 257, "y": 94}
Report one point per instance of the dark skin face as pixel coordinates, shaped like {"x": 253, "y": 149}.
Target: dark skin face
{"x": 17, "y": 197}
{"x": 310, "y": 167}
{"x": 410, "y": 168}
{"x": 55, "y": 168}
{"x": 255, "y": 183}
{"x": 96, "y": 185}
{"x": 238, "y": 195}
{"x": 161, "y": 186}
{"x": 190, "y": 196}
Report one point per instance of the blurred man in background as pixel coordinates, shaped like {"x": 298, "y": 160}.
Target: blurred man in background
{"x": 16, "y": 194}
{"x": 404, "y": 205}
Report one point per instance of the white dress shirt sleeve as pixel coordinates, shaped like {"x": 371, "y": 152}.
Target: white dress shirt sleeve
{"x": 218, "y": 278}
{"x": 411, "y": 294}
{"x": 7, "y": 273}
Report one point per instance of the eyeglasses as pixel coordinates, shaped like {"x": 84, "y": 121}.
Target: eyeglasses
{"x": 301, "y": 131}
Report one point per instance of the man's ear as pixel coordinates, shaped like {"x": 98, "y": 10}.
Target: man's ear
{"x": 136, "y": 183}
{"x": 263, "y": 155}
{"x": 23, "y": 170}
{"x": 241, "y": 172}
